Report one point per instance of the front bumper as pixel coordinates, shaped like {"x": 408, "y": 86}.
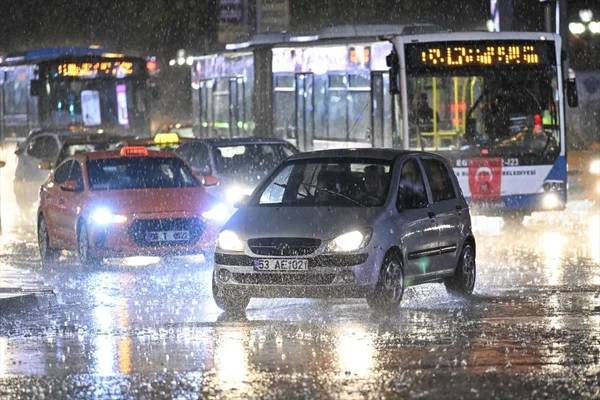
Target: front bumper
{"x": 327, "y": 276}
{"x": 119, "y": 240}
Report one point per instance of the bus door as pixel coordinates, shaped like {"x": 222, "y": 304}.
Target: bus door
{"x": 237, "y": 107}
{"x": 381, "y": 110}
{"x": 305, "y": 118}
{"x": 205, "y": 114}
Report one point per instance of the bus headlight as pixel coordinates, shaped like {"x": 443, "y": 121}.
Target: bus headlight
{"x": 551, "y": 201}
{"x": 595, "y": 167}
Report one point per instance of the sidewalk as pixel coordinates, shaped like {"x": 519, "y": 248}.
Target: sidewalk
{"x": 22, "y": 290}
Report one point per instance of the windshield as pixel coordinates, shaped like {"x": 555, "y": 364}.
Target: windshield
{"x": 336, "y": 182}
{"x": 140, "y": 173}
{"x": 251, "y": 159}
{"x": 92, "y": 103}
{"x": 509, "y": 111}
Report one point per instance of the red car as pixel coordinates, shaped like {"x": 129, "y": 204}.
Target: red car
{"x": 124, "y": 203}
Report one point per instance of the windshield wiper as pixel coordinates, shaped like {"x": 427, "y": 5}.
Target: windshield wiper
{"x": 333, "y": 192}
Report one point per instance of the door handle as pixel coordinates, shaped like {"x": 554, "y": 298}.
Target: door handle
{"x": 431, "y": 214}
{"x": 459, "y": 207}
{"x": 61, "y": 202}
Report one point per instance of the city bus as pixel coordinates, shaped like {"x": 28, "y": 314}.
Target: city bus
{"x": 73, "y": 88}
{"x": 494, "y": 104}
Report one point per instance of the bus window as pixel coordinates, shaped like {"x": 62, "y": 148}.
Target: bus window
{"x": 16, "y": 91}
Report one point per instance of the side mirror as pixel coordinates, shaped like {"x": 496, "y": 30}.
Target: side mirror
{"x": 2, "y": 164}
{"x": 70, "y": 186}
{"x": 242, "y": 202}
{"x": 210, "y": 180}
{"x": 35, "y": 87}
{"x": 45, "y": 164}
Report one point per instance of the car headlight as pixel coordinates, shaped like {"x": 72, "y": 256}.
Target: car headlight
{"x": 595, "y": 167}
{"x": 350, "y": 241}
{"x": 230, "y": 241}
{"x": 103, "y": 216}
{"x": 235, "y": 193}
{"x": 219, "y": 213}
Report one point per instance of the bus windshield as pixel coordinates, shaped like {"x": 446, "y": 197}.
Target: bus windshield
{"x": 508, "y": 111}
{"x": 97, "y": 102}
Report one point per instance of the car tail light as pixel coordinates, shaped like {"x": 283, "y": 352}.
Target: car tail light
{"x": 130, "y": 151}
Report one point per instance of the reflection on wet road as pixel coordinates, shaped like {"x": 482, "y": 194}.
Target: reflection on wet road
{"x": 146, "y": 327}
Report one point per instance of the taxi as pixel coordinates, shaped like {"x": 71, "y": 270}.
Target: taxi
{"x": 129, "y": 202}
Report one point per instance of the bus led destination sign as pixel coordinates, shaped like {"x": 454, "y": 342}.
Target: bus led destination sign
{"x": 116, "y": 69}
{"x": 478, "y": 54}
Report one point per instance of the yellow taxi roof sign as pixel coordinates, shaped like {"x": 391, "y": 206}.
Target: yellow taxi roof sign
{"x": 166, "y": 138}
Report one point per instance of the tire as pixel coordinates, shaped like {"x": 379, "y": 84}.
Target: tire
{"x": 228, "y": 301}
{"x": 389, "y": 290}
{"x": 48, "y": 254}
{"x": 463, "y": 281}
{"x": 83, "y": 249}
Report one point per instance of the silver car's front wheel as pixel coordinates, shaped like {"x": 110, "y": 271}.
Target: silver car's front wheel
{"x": 390, "y": 287}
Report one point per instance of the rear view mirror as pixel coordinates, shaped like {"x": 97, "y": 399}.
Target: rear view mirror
{"x": 35, "y": 87}
{"x": 70, "y": 186}
{"x": 210, "y": 180}
{"x": 46, "y": 165}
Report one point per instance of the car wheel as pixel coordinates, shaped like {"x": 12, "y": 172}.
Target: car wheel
{"x": 228, "y": 301}
{"x": 47, "y": 253}
{"x": 463, "y": 280}
{"x": 390, "y": 286}
{"x": 83, "y": 249}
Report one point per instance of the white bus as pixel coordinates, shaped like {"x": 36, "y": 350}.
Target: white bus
{"x": 494, "y": 104}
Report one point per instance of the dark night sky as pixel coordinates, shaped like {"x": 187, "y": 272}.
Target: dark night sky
{"x": 163, "y": 26}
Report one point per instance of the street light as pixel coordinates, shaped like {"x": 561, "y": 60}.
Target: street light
{"x": 576, "y": 28}
{"x": 586, "y": 15}
{"x": 594, "y": 27}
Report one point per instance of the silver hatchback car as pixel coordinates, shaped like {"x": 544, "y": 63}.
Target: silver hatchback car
{"x": 347, "y": 223}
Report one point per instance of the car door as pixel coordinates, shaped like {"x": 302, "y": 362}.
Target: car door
{"x": 447, "y": 208}
{"x": 53, "y": 196}
{"x": 69, "y": 205}
{"x": 419, "y": 232}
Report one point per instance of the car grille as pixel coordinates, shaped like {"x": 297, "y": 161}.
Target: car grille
{"x": 284, "y": 279}
{"x": 284, "y": 246}
{"x": 341, "y": 260}
{"x": 139, "y": 228}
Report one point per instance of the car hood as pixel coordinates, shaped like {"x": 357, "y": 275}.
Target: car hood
{"x": 307, "y": 222}
{"x": 140, "y": 201}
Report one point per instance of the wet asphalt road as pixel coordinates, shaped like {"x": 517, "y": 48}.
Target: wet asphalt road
{"x": 151, "y": 330}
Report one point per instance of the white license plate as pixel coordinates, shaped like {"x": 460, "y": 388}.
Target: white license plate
{"x": 168, "y": 236}
{"x": 280, "y": 265}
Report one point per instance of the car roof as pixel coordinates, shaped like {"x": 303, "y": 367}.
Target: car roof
{"x": 103, "y": 155}
{"x": 376, "y": 154}
{"x": 242, "y": 141}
